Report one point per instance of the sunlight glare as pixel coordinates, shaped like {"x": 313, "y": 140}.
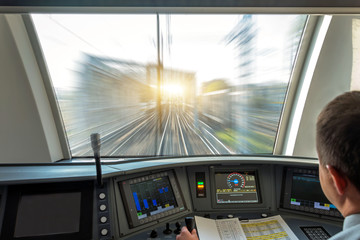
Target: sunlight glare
{"x": 173, "y": 90}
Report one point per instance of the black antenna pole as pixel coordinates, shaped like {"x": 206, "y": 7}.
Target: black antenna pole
{"x": 95, "y": 144}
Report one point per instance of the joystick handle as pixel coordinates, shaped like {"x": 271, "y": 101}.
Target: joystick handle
{"x": 190, "y": 223}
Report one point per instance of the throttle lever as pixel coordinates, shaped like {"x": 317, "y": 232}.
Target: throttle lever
{"x": 190, "y": 223}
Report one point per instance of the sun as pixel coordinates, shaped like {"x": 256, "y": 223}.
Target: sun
{"x": 173, "y": 90}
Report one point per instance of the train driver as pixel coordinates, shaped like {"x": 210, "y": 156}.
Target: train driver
{"x": 338, "y": 147}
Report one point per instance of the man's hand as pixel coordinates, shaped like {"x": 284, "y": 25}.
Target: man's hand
{"x": 186, "y": 235}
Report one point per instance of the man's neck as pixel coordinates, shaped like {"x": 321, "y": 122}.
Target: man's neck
{"x": 350, "y": 204}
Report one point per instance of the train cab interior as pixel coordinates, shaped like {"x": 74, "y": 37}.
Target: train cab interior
{"x": 119, "y": 119}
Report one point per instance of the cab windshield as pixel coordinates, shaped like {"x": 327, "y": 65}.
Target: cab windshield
{"x": 170, "y": 84}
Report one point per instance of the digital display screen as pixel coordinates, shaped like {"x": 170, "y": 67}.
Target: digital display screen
{"x": 48, "y": 214}
{"x": 236, "y": 187}
{"x": 48, "y": 211}
{"x": 303, "y": 193}
{"x": 153, "y": 197}
{"x": 306, "y": 191}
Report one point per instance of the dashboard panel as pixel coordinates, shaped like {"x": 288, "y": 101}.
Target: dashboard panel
{"x": 151, "y": 202}
{"x": 151, "y": 197}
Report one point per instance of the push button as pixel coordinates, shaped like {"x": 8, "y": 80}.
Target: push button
{"x": 104, "y": 232}
{"x": 102, "y": 196}
{"x": 103, "y": 219}
{"x": 102, "y": 207}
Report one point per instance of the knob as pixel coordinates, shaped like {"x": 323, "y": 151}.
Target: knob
{"x": 102, "y": 196}
{"x": 190, "y": 223}
{"x": 102, "y": 207}
{"x": 153, "y": 234}
{"x": 178, "y": 228}
{"x": 167, "y": 231}
{"x": 103, "y": 219}
{"x": 104, "y": 232}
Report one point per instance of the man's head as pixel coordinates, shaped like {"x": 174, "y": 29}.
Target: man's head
{"x": 338, "y": 141}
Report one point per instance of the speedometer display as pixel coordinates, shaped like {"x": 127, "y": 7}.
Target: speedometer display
{"x": 235, "y": 180}
{"x": 236, "y": 187}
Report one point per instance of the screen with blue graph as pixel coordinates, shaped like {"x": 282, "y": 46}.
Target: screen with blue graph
{"x": 153, "y": 197}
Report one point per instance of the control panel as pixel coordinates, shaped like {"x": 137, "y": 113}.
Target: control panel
{"x": 154, "y": 204}
{"x": 167, "y": 230}
{"x": 103, "y": 212}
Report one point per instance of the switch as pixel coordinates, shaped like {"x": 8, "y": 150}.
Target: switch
{"x": 167, "y": 230}
{"x": 178, "y": 228}
{"x": 102, "y": 207}
{"x": 103, "y": 219}
{"x": 102, "y": 196}
{"x": 104, "y": 232}
{"x": 153, "y": 234}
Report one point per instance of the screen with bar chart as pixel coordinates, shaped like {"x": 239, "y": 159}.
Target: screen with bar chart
{"x": 152, "y": 197}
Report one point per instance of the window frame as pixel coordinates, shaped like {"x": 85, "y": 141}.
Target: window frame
{"x": 290, "y": 98}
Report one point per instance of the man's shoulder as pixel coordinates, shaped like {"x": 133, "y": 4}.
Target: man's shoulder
{"x": 351, "y": 229}
{"x": 352, "y": 233}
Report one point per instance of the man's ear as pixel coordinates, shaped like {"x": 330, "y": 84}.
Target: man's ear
{"x": 338, "y": 178}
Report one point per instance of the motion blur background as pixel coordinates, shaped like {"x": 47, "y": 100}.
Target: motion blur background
{"x": 181, "y": 84}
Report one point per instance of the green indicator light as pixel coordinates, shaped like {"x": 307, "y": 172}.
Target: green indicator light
{"x": 139, "y": 214}
{"x": 293, "y": 200}
{"x": 200, "y": 183}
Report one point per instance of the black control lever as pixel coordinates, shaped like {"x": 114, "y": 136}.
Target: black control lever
{"x": 95, "y": 144}
{"x": 178, "y": 228}
{"x": 167, "y": 231}
{"x": 190, "y": 223}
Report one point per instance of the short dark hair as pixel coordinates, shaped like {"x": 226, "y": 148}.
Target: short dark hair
{"x": 338, "y": 135}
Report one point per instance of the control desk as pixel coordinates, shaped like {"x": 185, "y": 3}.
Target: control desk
{"x": 149, "y": 200}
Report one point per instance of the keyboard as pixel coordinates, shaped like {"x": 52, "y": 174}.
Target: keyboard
{"x": 315, "y": 232}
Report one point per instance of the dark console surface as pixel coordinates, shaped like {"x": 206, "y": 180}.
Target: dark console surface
{"x": 49, "y": 211}
{"x": 151, "y": 202}
{"x": 254, "y": 191}
{"x": 295, "y": 223}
